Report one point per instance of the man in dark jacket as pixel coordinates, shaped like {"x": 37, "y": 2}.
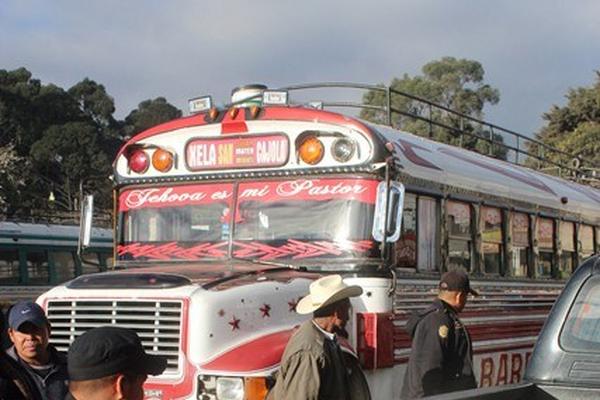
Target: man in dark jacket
{"x": 441, "y": 358}
{"x": 15, "y": 382}
{"x": 29, "y": 331}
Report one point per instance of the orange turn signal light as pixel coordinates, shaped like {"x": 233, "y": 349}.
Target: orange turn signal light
{"x": 234, "y": 112}
{"x": 254, "y": 110}
{"x": 311, "y": 150}
{"x": 255, "y": 388}
{"x": 213, "y": 113}
{"x": 162, "y": 160}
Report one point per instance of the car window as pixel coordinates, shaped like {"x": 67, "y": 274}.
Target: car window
{"x": 581, "y": 331}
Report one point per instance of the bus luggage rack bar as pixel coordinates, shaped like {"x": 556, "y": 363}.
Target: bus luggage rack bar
{"x": 524, "y": 151}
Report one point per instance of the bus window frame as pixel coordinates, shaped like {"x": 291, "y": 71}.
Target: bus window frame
{"x": 468, "y": 237}
{"x": 13, "y": 279}
{"x": 583, "y": 252}
{"x": 498, "y": 242}
{"x": 545, "y": 250}
{"x": 562, "y": 272}
{"x": 418, "y": 261}
{"x": 528, "y": 247}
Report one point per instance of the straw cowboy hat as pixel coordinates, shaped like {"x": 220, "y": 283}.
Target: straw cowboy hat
{"x": 325, "y": 291}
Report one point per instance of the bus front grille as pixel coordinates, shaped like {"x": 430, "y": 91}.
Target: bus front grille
{"x": 158, "y": 323}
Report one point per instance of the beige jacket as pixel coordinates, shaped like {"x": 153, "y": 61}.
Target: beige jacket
{"x": 314, "y": 367}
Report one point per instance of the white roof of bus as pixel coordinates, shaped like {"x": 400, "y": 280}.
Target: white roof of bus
{"x": 444, "y": 164}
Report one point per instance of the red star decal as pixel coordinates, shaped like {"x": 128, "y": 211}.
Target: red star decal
{"x": 292, "y": 303}
{"x": 221, "y": 312}
{"x": 235, "y": 323}
{"x": 265, "y": 309}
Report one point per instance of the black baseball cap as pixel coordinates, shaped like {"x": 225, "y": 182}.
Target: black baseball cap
{"x": 457, "y": 280}
{"x": 108, "y": 350}
{"x": 26, "y": 311}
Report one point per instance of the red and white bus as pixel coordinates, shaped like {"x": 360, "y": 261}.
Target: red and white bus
{"x": 223, "y": 219}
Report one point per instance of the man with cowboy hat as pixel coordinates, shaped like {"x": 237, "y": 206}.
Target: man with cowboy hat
{"x": 441, "y": 357}
{"x": 313, "y": 365}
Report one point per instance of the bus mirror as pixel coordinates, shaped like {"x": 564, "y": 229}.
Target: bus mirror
{"x": 85, "y": 228}
{"x": 394, "y": 213}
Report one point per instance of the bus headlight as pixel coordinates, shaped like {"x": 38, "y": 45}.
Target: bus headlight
{"x": 230, "y": 389}
{"x": 343, "y": 149}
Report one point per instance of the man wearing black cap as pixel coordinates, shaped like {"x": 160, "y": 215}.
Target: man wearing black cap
{"x": 29, "y": 331}
{"x": 15, "y": 382}
{"x": 441, "y": 358}
{"x": 109, "y": 363}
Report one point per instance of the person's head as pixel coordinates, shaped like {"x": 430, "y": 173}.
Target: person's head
{"x": 329, "y": 302}
{"x": 29, "y": 331}
{"x": 454, "y": 289}
{"x": 110, "y": 363}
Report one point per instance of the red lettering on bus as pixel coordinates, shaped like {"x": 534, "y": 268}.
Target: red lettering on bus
{"x": 487, "y": 369}
{"x": 515, "y": 368}
{"x": 502, "y": 370}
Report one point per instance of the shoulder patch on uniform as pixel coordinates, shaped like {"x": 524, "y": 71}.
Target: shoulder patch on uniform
{"x": 443, "y": 331}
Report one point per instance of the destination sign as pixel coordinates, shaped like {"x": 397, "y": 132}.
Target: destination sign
{"x": 237, "y": 152}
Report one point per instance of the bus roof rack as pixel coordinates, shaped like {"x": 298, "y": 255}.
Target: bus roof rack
{"x": 519, "y": 149}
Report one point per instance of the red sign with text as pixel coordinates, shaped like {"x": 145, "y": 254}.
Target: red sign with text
{"x": 310, "y": 189}
{"x": 238, "y": 152}
{"x": 267, "y": 191}
{"x": 174, "y": 196}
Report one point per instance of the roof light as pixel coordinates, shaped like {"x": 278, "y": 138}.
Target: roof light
{"x": 311, "y": 150}
{"x": 213, "y": 113}
{"x": 315, "y": 104}
{"x": 233, "y": 112}
{"x": 162, "y": 160}
{"x": 343, "y": 149}
{"x": 275, "y": 98}
{"x": 254, "y": 111}
{"x": 248, "y": 95}
{"x": 199, "y": 104}
{"x": 139, "y": 161}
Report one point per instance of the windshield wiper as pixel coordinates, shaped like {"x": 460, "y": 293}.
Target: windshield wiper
{"x": 271, "y": 263}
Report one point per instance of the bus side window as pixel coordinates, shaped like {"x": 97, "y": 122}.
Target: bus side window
{"x": 568, "y": 255}
{"x": 108, "y": 260}
{"x": 491, "y": 230}
{"x": 520, "y": 251}
{"x": 405, "y": 249}
{"x": 9, "y": 266}
{"x": 90, "y": 263}
{"x": 419, "y": 239}
{"x": 459, "y": 235}
{"x": 428, "y": 238}
{"x": 545, "y": 238}
{"x": 37, "y": 267}
{"x": 64, "y": 265}
{"x": 586, "y": 240}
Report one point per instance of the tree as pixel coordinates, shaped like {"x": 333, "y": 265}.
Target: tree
{"x": 149, "y": 113}
{"x": 574, "y": 128}
{"x": 456, "y": 84}
{"x": 17, "y": 125}
{"x": 62, "y": 141}
{"x": 68, "y": 160}
{"x": 13, "y": 170}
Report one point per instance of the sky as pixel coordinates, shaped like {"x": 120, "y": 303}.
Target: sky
{"x": 532, "y": 51}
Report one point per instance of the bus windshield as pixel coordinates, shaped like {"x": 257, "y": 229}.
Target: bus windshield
{"x": 265, "y": 219}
